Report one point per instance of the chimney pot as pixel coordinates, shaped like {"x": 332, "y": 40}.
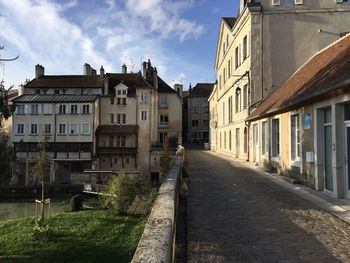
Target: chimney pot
{"x": 124, "y": 69}
{"x": 102, "y": 72}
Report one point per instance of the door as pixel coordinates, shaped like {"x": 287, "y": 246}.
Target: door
{"x": 347, "y": 157}
{"x": 255, "y": 143}
{"x": 328, "y": 150}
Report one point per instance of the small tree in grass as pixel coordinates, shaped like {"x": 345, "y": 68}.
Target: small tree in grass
{"x": 41, "y": 168}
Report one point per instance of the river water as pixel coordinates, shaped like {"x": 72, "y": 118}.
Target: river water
{"x": 26, "y": 208}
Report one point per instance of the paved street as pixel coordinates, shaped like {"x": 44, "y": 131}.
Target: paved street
{"x": 235, "y": 214}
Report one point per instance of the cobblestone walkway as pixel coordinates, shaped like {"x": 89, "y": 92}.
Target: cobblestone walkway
{"x": 235, "y": 214}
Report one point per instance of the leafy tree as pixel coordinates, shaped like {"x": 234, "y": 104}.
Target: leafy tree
{"x": 41, "y": 169}
{"x": 5, "y": 163}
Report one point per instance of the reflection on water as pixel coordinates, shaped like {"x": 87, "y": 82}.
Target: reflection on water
{"x": 20, "y": 209}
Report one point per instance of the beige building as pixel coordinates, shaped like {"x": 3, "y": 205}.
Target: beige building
{"x": 257, "y": 52}
{"x": 95, "y": 124}
{"x": 304, "y": 126}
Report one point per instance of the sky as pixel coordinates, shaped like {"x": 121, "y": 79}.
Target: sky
{"x": 178, "y": 36}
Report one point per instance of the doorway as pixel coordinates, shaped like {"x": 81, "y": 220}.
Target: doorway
{"x": 347, "y": 156}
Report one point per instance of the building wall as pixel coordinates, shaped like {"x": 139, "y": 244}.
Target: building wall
{"x": 201, "y": 103}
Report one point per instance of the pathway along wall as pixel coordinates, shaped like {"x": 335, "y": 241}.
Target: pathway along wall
{"x": 157, "y": 242}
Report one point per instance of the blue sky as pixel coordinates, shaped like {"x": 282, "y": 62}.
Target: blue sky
{"x": 179, "y": 36}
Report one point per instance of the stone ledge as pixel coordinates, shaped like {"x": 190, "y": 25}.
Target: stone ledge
{"x": 156, "y": 243}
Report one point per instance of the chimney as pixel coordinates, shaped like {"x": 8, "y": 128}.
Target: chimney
{"x": 87, "y": 69}
{"x": 179, "y": 89}
{"x": 144, "y": 66}
{"x": 149, "y": 72}
{"x": 102, "y": 72}
{"x": 124, "y": 69}
{"x": 190, "y": 89}
{"x": 155, "y": 78}
{"x": 39, "y": 71}
{"x": 93, "y": 72}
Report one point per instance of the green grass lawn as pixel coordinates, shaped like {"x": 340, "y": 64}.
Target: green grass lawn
{"x": 86, "y": 236}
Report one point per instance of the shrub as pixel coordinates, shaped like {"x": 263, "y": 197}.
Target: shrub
{"x": 76, "y": 203}
{"x": 42, "y": 231}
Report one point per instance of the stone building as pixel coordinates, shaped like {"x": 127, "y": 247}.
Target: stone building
{"x": 197, "y": 131}
{"x": 95, "y": 123}
{"x": 257, "y": 52}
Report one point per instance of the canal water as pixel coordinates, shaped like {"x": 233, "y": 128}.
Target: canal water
{"x": 26, "y": 208}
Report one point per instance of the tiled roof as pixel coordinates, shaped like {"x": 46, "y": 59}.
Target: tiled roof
{"x": 131, "y": 80}
{"x": 163, "y": 87}
{"x": 55, "y": 98}
{"x": 117, "y": 129}
{"x": 202, "y": 90}
{"x": 66, "y": 81}
{"x": 230, "y": 21}
{"x": 324, "y": 73}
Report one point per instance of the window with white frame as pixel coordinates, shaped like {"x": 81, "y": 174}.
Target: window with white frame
{"x": 276, "y": 2}
{"x": 275, "y": 137}
{"x": 86, "y": 109}
{"x": 62, "y": 109}
{"x": 74, "y": 128}
{"x": 163, "y": 101}
{"x": 34, "y": 129}
{"x": 34, "y": 109}
{"x": 144, "y": 97}
{"x": 163, "y": 120}
{"x": 121, "y": 118}
{"x": 144, "y": 115}
{"x": 112, "y": 101}
{"x": 245, "y": 97}
{"x": 121, "y": 141}
{"x": 47, "y": 108}
{"x": 47, "y": 128}
{"x": 20, "y": 128}
{"x": 74, "y": 109}
{"x": 20, "y": 109}
{"x": 236, "y": 58}
{"x": 295, "y": 137}
{"x": 298, "y": 2}
{"x": 85, "y": 128}
{"x": 264, "y": 138}
{"x": 62, "y": 128}
{"x": 163, "y": 137}
{"x": 245, "y": 47}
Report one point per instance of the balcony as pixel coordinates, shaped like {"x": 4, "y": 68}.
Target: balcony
{"x": 116, "y": 150}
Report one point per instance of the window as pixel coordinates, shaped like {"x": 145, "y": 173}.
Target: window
{"x": 230, "y": 109}
{"x": 245, "y": 47}
{"x": 225, "y": 140}
{"x": 119, "y": 100}
{"x": 238, "y": 99}
{"x": 236, "y": 58}
{"x": 121, "y": 141}
{"x": 123, "y": 118}
{"x": 205, "y": 123}
{"x": 298, "y": 2}
{"x": 62, "y": 109}
{"x": 163, "y": 101}
{"x": 295, "y": 137}
{"x": 20, "y": 128}
{"x": 224, "y": 47}
{"x": 47, "y": 108}
{"x": 62, "y": 128}
{"x": 163, "y": 120}
{"x": 112, "y": 101}
{"x": 119, "y": 92}
{"x": 275, "y": 137}
{"x": 34, "y": 128}
{"x": 74, "y": 109}
{"x": 206, "y": 109}
{"x": 239, "y": 54}
{"x": 163, "y": 136}
{"x": 57, "y": 91}
{"x": 112, "y": 118}
{"x": 220, "y": 81}
{"x": 229, "y": 68}
{"x": 20, "y": 109}
{"x": 276, "y": 2}
{"x": 264, "y": 139}
{"x": 77, "y": 91}
{"x": 144, "y": 97}
{"x": 195, "y": 110}
{"x": 37, "y": 91}
{"x": 85, "y": 128}
{"x": 124, "y": 101}
{"x": 74, "y": 128}
{"x": 124, "y": 92}
{"x": 47, "y": 128}
{"x": 224, "y": 75}
{"x": 144, "y": 115}
{"x": 245, "y": 140}
{"x": 194, "y": 123}
{"x": 34, "y": 109}
{"x": 245, "y": 96}
{"x": 347, "y": 112}
{"x": 86, "y": 109}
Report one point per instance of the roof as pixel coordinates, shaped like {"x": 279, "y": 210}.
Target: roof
{"x": 230, "y": 21}
{"x": 202, "y": 90}
{"x": 323, "y": 74}
{"x": 163, "y": 87}
{"x": 55, "y": 98}
{"x": 115, "y": 129}
{"x": 66, "y": 81}
{"x": 132, "y": 80}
